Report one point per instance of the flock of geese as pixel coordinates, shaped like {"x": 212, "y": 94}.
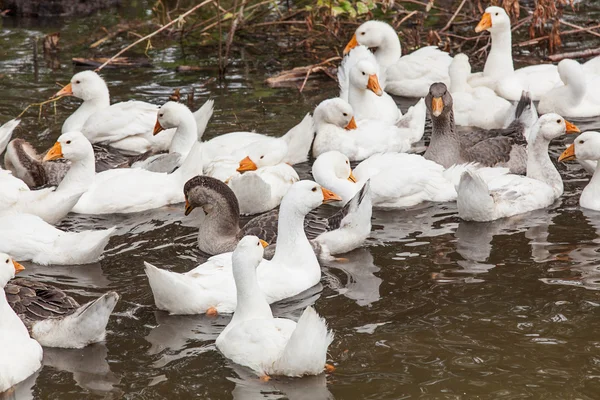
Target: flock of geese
{"x": 133, "y": 156}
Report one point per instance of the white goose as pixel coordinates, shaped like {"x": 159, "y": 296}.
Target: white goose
{"x": 126, "y": 125}
{"x": 21, "y": 355}
{"x": 50, "y": 204}
{"x": 587, "y": 147}
{"x": 397, "y": 180}
{"x": 28, "y": 237}
{"x": 337, "y": 130}
{"x": 267, "y": 345}
{"x": 573, "y": 99}
{"x": 499, "y": 73}
{"x": 410, "y": 75}
{"x": 510, "y": 195}
{"x": 480, "y": 106}
{"x": 210, "y": 287}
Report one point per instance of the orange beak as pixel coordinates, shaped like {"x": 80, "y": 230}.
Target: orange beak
{"x": 247, "y": 165}
{"x": 54, "y": 153}
{"x": 329, "y": 196}
{"x": 18, "y": 267}
{"x": 351, "y": 125}
{"x": 188, "y": 207}
{"x": 264, "y": 244}
{"x": 437, "y": 106}
{"x": 373, "y": 85}
{"x": 571, "y": 128}
{"x": 157, "y": 128}
{"x": 568, "y": 154}
{"x": 485, "y": 23}
{"x": 352, "y": 178}
{"x": 351, "y": 44}
{"x": 65, "y": 91}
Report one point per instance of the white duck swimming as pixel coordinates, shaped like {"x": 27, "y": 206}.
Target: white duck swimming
{"x": 510, "y": 195}
{"x": 210, "y": 288}
{"x": 499, "y": 73}
{"x": 138, "y": 189}
{"x": 587, "y": 147}
{"x": 410, "y": 75}
{"x": 267, "y": 345}
{"x": 28, "y": 237}
{"x": 397, "y": 180}
{"x": 126, "y": 125}
{"x": 572, "y": 99}
{"x": 337, "y": 130}
{"x": 21, "y": 355}
{"x": 56, "y": 319}
{"x": 480, "y": 106}
{"x": 51, "y": 204}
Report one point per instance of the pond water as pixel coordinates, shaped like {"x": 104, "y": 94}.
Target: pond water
{"x": 432, "y": 307}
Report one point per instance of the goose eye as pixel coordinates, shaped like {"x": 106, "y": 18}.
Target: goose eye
{"x": 68, "y": 142}
{"x": 258, "y": 244}
{"x": 363, "y": 73}
{"x": 7, "y": 260}
{"x": 581, "y": 142}
{"x": 558, "y": 121}
{"x": 77, "y": 81}
{"x": 497, "y": 14}
{"x": 261, "y": 157}
{"x": 160, "y": 115}
{"x": 346, "y": 161}
{"x": 363, "y": 33}
{"x": 345, "y": 114}
{"x": 314, "y": 189}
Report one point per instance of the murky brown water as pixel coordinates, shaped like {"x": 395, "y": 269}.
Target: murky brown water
{"x": 431, "y": 308}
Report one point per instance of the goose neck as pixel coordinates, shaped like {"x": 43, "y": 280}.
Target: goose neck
{"x": 10, "y": 321}
{"x": 500, "y": 62}
{"x": 185, "y": 136}
{"x": 292, "y": 243}
{"x": 539, "y": 164}
{"x": 251, "y": 302}
{"x": 389, "y": 51}
{"x": 80, "y": 175}
{"x": 192, "y": 164}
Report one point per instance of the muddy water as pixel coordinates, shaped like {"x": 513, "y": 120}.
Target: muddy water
{"x": 431, "y": 308}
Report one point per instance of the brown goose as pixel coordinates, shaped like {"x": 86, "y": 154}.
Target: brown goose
{"x": 55, "y": 319}
{"x": 220, "y": 230}
{"x": 492, "y": 148}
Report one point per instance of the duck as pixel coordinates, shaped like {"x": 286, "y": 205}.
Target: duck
{"x": 490, "y": 148}
{"x": 21, "y": 355}
{"x": 210, "y": 288}
{"x": 359, "y": 81}
{"x": 586, "y": 148}
{"x": 337, "y": 129}
{"x": 398, "y": 180}
{"x": 53, "y": 204}
{"x": 479, "y": 107}
{"x": 55, "y": 319}
{"x": 267, "y": 345}
{"x": 511, "y": 194}
{"x": 127, "y": 125}
{"x": 220, "y": 229}
{"x": 28, "y": 237}
{"x": 138, "y": 189}
{"x": 572, "y": 99}
{"x": 410, "y": 75}
{"x": 499, "y": 73}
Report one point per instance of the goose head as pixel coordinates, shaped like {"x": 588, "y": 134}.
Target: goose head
{"x": 72, "y": 146}
{"x": 573, "y": 76}
{"x": 304, "y": 196}
{"x": 336, "y": 112}
{"x": 438, "y": 100}
{"x": 170, "y": 115}
{"x": 213, "y": 196}
{"x": 495, "y": 19}
{"x": 332, "y": 169}
{"x": 263, "y": 154}
{"x": 551, "y": 126}
{"x": 585, "y": 147}
{"x": 364, "y": 76}
{"x": 8, "y": 268}
{"x": 249, "y": 252}
{"x": 371, "y": 34}
{"x": 459, "y": 71}
{"x": 85, "y": 85}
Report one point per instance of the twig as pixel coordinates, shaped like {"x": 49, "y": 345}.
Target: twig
{"x": 581, "y": 28}
{"x": 406, "y": 17}
{"x": 462, "y": 3}
{"x": 575, "y": 54}
{"x": 278, "y": 23}
{"x": 52, "y": 100}
{"x": 178, "y": 19}
{"x": 542, "y": 38}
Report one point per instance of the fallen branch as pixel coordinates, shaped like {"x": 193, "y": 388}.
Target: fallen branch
{"x": 575, "y": 54}
{"x": 178, "y": 19}
{"x": 582, "y": 28}
{"x": 303, "y": 73}
{"x": 542, "y": 38}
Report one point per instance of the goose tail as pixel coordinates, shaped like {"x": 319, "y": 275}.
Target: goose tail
{"x": 6, "y": 131}
{"x": 299, "y": 140}
{"x": 85, "y": 326}
{"x": 306, "y": 351}
{"x": 84, "y": 247}
{"x": 203, "y": 115}
{"x": 414, "y": 120}
{"x": 474, "y": 201}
